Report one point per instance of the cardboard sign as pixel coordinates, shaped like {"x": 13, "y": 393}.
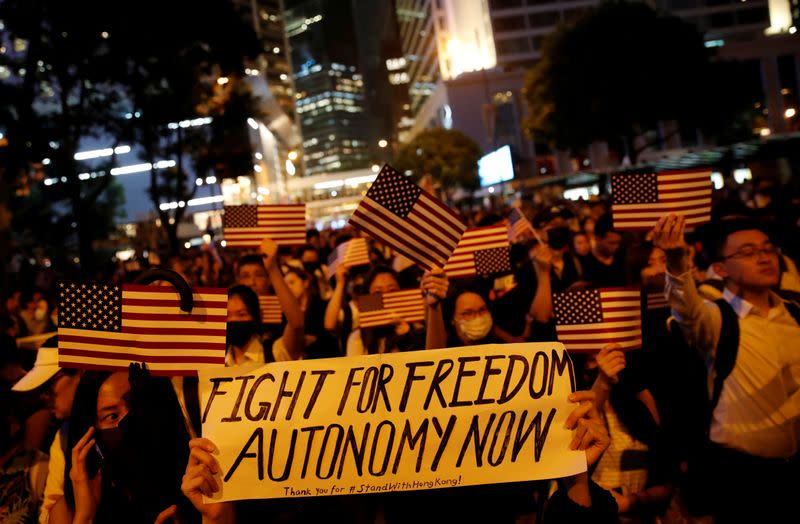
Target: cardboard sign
{"x": 395, "y": 422}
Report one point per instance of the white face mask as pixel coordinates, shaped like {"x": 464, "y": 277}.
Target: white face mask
{"x": 476, "y": 328}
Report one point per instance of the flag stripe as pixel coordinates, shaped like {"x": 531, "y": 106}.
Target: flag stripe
{"x": 395, "y": 239}
{"x": 650, "y": 223}
{"x": 597, "y": 346}
{"x": 421, "y": 236}
{"x": 150, "y": 355}
{"x": 665, "y": 205}
{"x": 157, "y": 368}
{"x": 75, "y": 341}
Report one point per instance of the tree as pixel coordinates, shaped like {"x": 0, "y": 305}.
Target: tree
{"x": 68, "y": 90}
{"x": 616, "y": 73}
{"x": 449, "y": 156}
{"x": 173, "y": 74}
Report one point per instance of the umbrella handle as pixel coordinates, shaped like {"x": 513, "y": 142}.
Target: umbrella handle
{"x": 184, "y": 290}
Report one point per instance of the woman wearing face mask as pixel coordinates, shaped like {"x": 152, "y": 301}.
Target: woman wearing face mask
{"x": 471, "y": 321}
{"x": 127, "y": 448}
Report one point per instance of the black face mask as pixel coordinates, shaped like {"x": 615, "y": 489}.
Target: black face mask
{"x": 238, "y": 333}
{"x": 311, "y": 266}
{"x": 116, "y": 454}
{"x": 558, "y": 237}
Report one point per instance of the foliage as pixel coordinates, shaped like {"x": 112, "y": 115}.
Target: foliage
{"x": 617, "y": 72}
{"x": 449, "y": 156}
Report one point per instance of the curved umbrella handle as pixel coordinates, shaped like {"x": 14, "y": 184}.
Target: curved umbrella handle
{"x": 184, "y": 290}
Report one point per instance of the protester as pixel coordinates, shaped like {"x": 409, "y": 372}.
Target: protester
{"x": 750, "y": 337}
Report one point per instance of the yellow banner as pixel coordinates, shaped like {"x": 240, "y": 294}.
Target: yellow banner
{"x": 395, "y": 422}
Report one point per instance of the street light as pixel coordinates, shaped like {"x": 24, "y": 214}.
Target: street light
{"x": 790, "y": 113}
{"x": 376, "y": 168}
{"x": 292, "y": 155}
{"x": 382, "y": 143}
{"x": 222, "y": 80}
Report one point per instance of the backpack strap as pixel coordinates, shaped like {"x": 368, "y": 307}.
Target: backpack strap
{"x": 727, "y": 348}
{"x": 791, "y": 299}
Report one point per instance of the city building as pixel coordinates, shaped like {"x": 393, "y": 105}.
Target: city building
{"x": 330, "y": 96}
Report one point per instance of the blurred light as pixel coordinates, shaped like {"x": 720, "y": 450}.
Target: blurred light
{"x": 63, "y": 179}
{"x": 792, "y": 30}
{"x": 290, "y": 169}
{"x": 211, "y": 179}
{"x": 187, "y": 245}
{"x": 717, "y": 180}
{"x": 382, "y": 143}
{"x": 163, "y": 164}
{"x": 328, "y": 185}
{"x": 171, "y": 221}
{"x": 765, "y": 131}
{"x": 84, "y": 176}
{"x": 104, "y": 34}
{"x": 292, "y": 155}
{"x": 207, "y": 238}
{"x": 742, "y": 174}
{"x": 199, "y": 181}
{"x": 257, "y": 168}
{"x": 98, "y": 153}
{"x": 334, "y": 193}
{"x": 790, "y": 113}
{"x": 45, "y": 161}
{"x": 181, "y": 204}
{"x": 276, "y": 50}
{"x": 135, "y": 168}
{"x": 263, "y": 190}
{"x": 491, "y": 190}
{"x": 376, "y": 168}
{"x": 222, "y": 80}
{"x": 284, "y": 76}
{"x": 205, "y": 200}
{"x": 714, "y": 43}
{"x": 252, "y": 123}
{"x": 223, "y": 243}
{"x": 259, "y": 156}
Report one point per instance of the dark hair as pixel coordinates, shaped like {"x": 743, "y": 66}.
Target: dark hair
{"x": 725, "y": 228}
{"x": 378, "y": 270}
{"x": 604, "y": 226}
{"x": 155, "y": 440}
{"x": 252, "y": 258}
{"x": 311, "y": 233}
{"x": 449, "y": 305}
{"x": 249, "y": 298}
{"x": 82, "y": 417}
{"x": 302, "y": 274}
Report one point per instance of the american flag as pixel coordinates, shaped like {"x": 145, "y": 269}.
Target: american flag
{"x": 246, "y": 226}
{"x": 520, "y": 226}
{"x": 271, "y": 312}
{"x": 402, "y": 215}
{"x": 588, "y": 319}
{"x": 103, "y": 326}
{"x": 639, "y": 200}
{"x": 351, "y": 253}
{"x": 656, "y": 301}
{"x": 381, "y": 309}
{"x": 481, "y": 251}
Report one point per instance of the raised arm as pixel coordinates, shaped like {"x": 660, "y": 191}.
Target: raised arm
{"x": 700, "y": 321}
{"x": 434, "y": 286}
{"x": 293, "y": 333}
{"x": 335, "y": 303}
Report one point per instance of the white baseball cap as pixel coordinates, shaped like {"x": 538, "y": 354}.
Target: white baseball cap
{"x": 45, "y": 367}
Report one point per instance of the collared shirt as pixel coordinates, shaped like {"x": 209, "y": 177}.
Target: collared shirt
{"x": 759, "y": 405}
{"x": 253, "y": 354}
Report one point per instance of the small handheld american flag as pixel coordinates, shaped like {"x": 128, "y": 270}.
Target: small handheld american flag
{"x": 402, "y": 215}
{"x": 351, "y": 253}
{"x": 519, "y": 225}
{"x": 382, "y": 309}
{"x": 103, "y": 326}
{"x": 271, "y": 312}
{"x": 246, "y": 226}
{"x": 656, "y": 301}
{"x": 481, "y": 251}
{"x": 586, "y": 320}
{"x": 639, "y": 200}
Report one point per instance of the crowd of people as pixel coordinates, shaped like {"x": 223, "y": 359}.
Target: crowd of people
{"x": 702, "y": 422}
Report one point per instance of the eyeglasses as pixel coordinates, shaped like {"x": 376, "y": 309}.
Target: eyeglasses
{"x": 753, "y": 251}
{"x": 470, "y": 313}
